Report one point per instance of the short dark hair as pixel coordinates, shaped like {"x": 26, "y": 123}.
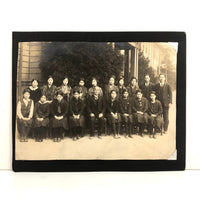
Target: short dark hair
{"x": 139, "y": 91}
{"x": 26, "y": 90}
{"x": 134, "y": 78}
{"x": 153, "y": 92}
{"x": 34, "y": 80}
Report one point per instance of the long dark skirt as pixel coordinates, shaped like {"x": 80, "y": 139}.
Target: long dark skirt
{"x": 40, "y": 133}
{"x": 23, "y": 127}
{"x": 63, "y": 123}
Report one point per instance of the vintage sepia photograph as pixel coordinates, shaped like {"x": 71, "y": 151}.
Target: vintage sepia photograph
{"x": 79, "y": 100}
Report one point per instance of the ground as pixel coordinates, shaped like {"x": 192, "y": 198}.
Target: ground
{"x": 163, "y": 147}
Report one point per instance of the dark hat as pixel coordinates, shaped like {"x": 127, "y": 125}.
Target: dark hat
{"x": 26, "y": 90}
{"x": 59, "y": 93}
{"x": 153, "y": 92}
{"x": 137, "y": 91}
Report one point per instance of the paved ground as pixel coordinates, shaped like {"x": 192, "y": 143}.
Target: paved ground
{"x": 137, "y": 147}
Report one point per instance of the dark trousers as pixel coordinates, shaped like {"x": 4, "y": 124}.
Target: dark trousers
{"x": 101, "y": 125}
{"x": 166, "y": 117}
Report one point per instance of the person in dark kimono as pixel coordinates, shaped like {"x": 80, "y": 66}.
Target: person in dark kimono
{"x": 96, "y": 109}
{"x": 139, "y": 109}
{"x": 113, "y": 113}
{"x": 125, "y": 112}
{"x": 95, "y": 87}
{"x": 65, "y": 88}
{"x": 76, "y": 117}
{"x": 24, "y": 116}
{"x": 59, "y": 109}
{"x": 133, "y": 87}
{"x": 111, "y": 86}
{"x": 164, "y": 95}
{"x": 155, "y": 114}
{"x": 147, "y": 87}
{"x": 35, "y": 91}
{"x": 41, "y": 118}
{"x": 49, "y": 90}
{"x": 121, "y": 87}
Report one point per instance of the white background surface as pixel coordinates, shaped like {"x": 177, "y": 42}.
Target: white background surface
{"x": 154, "y": 15}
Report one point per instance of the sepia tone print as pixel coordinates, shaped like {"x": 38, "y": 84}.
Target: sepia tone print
{"x": 86, "y": 100}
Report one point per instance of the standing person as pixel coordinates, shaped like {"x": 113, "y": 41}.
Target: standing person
{"x": 147, "y": 87}
{"x": 35, "y": 91}
{"x": 96, "y": 110}
{"x": 76, "y": 119}
{"x": 59, "y": 109}
{"x": 113, "y": 116}
{"x": 155, "y": 114}
{"x": 111, "y": 86}
{"x": 121, "y": 87}
{"x": 65, "y": 88}
{"x": 125, "y": 112}
{"x": 164, "y": 95}
{"x": 41, "y": 118}
{"x": 49, "y": 90}
{"x": 82, "y": 89}
{"x": 24, "y": 116}
{"x": 133, "y": 87}
{"x": 139, "y": 108}
{"x": 95, "y": 87}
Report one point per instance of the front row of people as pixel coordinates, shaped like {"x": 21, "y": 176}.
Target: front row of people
{"x": 56, "y": 119}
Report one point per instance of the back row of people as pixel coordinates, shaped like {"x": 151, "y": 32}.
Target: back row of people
{"x": 75, "y": 105}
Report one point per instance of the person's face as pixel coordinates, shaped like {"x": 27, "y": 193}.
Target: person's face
{"x": 139, "y": 95}
{"x": 50, "y": 81}
{"x": 26, "y": 95}
{"x": 125, "y": 95}
{"x": 65, "y": 81}
{"x": 121, "y": 82}
{"x": 147, "y": 79}
{"x": 113, "y": 95}
{"x": 34, "y": 84}
{"x": 111, "y": 81}
{"x": 43, "y": 99}
{"x": 134, "y": 82}
{"x": 94, "y": 82}
{"x": 152, "y": 96}
{"x": 59, "y": 97}
{"x": 76, "y": 95}
{"x": 81, "y": 83}
{"x": 162, "y": 78}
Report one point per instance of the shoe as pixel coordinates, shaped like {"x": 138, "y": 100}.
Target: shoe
{"x": 116, "y": 137}
{"x": 130, "y": 136}
{"x": 74, "y": 139}
{"x": 99, "y": 137}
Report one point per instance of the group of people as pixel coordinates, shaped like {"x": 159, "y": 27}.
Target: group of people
{"x": 56, "y": 112}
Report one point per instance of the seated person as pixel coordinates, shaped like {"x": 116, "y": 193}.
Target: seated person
{"x": 24, "y": 116}
{"x": 155, "y": 114}
{"x": 59, "y": 110}
{"x": 96, "y": 110}
{"x": 41, "y": 118}
{"x": 125, "y": 112}
{"x": 113, "y": 116}
{"x": 94, "y": 87}
{"x": 76, "y": 119}
{"x": 139, "y": 109}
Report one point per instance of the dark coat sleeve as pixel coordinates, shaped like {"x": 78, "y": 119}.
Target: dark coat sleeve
{"x": 170, "y": 94}
{"x": 133, "y": 105}
{"x": 35, "y": 115}
{"x": 145, "y": 105}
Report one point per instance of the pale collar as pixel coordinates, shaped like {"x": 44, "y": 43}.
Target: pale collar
{"x": 42, "y": 103}
{"x": 147, "y": 84}
{"x": 32, "y": 88}
{"x": 162, "y": 84}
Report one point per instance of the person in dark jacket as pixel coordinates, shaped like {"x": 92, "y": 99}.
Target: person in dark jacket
{"x": 41, "y": 118}
{"x": 96, "y": 110}
{"x": 24, "y": 115}
{"x": 76, "y": 119}
{"x": 155, "y": 114}
{"x": 49, "y": 90}
{"x": 147, "y": 87}
{"x": 35, "y": 91}
{"x": 133, "y": 87}
{"x": 113, "y": 113}
{"x": 139, "y": 109}
{"x": 59, "y": 110}
{"x": 125, "y": 112}
{"x": 121, "y": 87}
{"x": 95, "y": 87}
{"x": 164, "y": 95}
